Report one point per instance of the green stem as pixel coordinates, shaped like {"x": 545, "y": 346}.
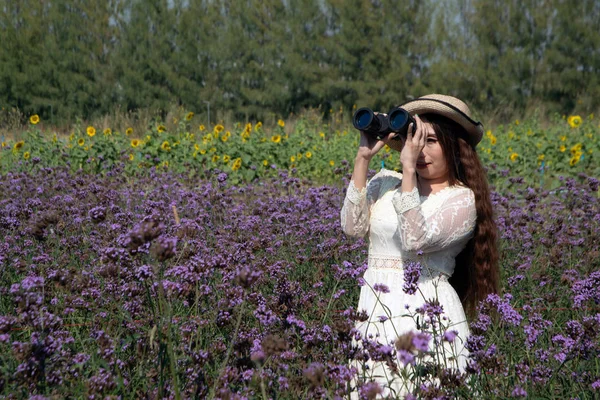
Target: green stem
{"x": 170, "y": 353}
{"x": 211, "y": 395}
{"x": 330, "y": 301}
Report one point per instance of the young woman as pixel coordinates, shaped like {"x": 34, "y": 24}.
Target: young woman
{"x": 436, "y": 213}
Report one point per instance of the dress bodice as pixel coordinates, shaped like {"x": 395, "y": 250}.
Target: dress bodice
{"x": 401, "y": 224}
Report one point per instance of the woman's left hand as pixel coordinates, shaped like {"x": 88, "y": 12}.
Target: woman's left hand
{"x": 413, "y": 145}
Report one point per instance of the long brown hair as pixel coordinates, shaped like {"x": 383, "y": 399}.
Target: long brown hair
{"x": 476, "y": 273}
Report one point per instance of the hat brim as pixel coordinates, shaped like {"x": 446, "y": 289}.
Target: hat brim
{"x": 424, "y": 105}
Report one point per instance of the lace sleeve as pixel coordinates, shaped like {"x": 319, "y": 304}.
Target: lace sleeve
{"x": 355, "y": 214}
{"x": 453, "y": 221}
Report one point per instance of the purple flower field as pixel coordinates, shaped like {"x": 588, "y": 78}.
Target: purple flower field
{"x": 164, "y": 286}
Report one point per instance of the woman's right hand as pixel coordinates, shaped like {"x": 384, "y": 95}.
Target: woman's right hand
{"x": 369, "y": 145}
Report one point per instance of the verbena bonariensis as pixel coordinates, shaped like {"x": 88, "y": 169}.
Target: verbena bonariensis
{"x": 250, "y": 291}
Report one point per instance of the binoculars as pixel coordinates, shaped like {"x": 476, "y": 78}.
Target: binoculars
{"x": 380, "y": 125}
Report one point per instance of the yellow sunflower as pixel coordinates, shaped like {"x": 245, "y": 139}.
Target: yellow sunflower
{"x": 201, "y": 128}
{"x": 308, "y": 154}
{"x": 107, "y": 132}
{"x": 165, "y": 146}
{"x": 237, "y": 164}
{"x": 226, "y": 159}
{"x": 265, "y": 163}
{"x": 293, "y": 159}
{"x": 189, "y": 116}
{"x": 281, "y": 123}
{"x": 161, "y": 128}
{"x": 258, "y": 126}
{"x": 34, "y": 119}
{"x": 81, "y": 141}
{"x": 91, "y": 131}
{"x": 19, "y": 145}
{"x": 26, "y": 155}
{"x": 562, "y": 148}
{"x": 129, "y": 131}
{"x": 218, "y": 128}
{"x": 276, "y": 138}
{"x": 135, "y": 143}
{"x": 332, "y": 163}
{"x": 131, "y": 157}
{"x": 574, "y": 160}
{"x": 574, "y": 121}
{"x": 215, "y": 158}
{"x": 513, "y": 157}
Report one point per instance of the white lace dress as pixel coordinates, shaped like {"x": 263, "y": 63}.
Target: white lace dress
{"x": 400, "y": 225}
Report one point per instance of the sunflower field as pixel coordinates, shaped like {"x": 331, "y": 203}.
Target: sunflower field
{"x": 247, "y": 151}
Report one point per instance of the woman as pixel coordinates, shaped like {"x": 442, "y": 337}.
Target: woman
{"x": 436, "y": 214}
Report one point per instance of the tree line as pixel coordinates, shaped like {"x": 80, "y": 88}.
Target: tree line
{"x": 68, "y": 59}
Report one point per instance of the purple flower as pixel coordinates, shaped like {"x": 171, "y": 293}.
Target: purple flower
{"x": 380, "y": 287}
{"x": 507, "y": 312}
{"x": 292, "y": 320}
{"x": 412, "y": 273}
{"x": 432, "y": 308}
{"x": 222, "y": 177}
{"x": 164, "y": 247}
{"x": 587, "y": 289}
{"x": 98, "y": 214}
{"x": 406, "y": 357}
{"x": 421, "y": 341}
{"x": 450, "y": 336}
{"x": 519, "y": 392}
{"x": 370, "y": 390}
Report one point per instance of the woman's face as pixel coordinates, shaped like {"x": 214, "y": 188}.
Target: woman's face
{"x": 431, "y": 164}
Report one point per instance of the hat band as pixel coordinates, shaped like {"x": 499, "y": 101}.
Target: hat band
{"x": 450, "y": 106}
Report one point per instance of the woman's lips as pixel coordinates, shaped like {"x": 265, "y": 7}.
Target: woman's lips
{"x": 422, "y": 165}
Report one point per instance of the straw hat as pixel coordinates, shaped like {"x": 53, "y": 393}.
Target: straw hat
{"x": 449, "y": 107}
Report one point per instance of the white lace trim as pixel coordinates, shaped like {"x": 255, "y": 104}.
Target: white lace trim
{"x": 354, "y": 195}
{"x": 404, "y": 201}
{"x": 391, "y": 262}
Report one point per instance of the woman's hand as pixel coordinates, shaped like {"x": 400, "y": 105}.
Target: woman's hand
{"x": 413, "y": 145}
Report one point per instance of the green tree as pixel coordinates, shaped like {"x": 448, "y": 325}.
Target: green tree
{"x": 144, "y": 65}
